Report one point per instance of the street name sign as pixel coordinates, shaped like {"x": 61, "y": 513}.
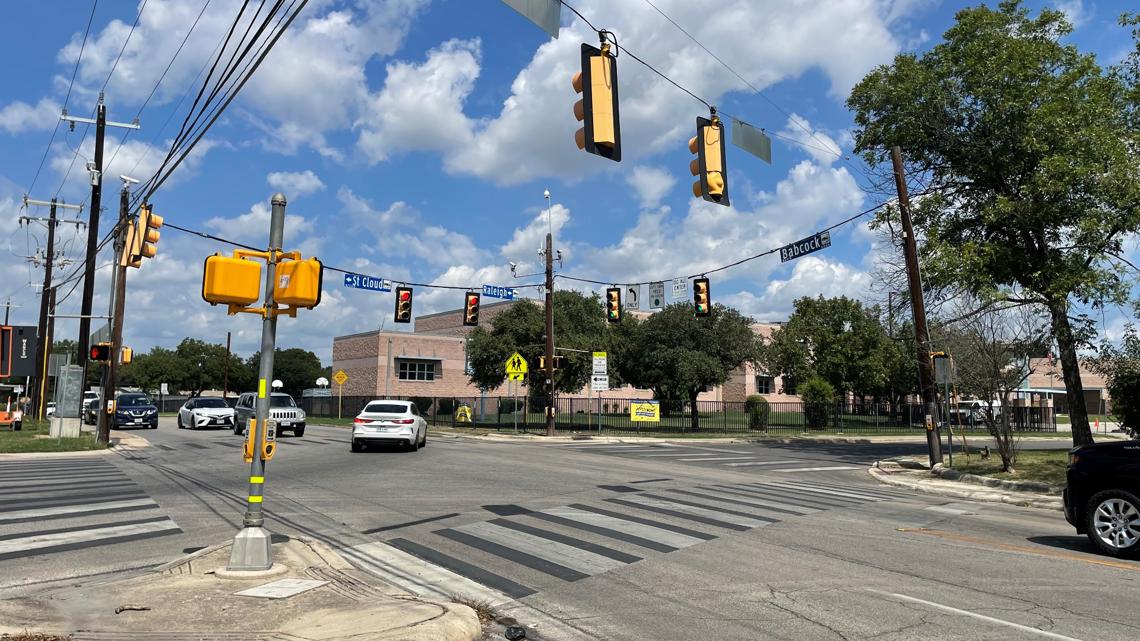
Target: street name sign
{"x": 360, "y": 281}
{"x": 656, "y": 295}
{"x": 805, "y": 246}
{"x": 496, "y": 291}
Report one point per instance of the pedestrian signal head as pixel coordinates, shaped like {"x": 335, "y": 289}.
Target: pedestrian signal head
{"x": 613, "y": 304}
{"x": 100, "y": 352}
{"x": 709, "y": 166}
{"x": 403, "y": 305}
{"x": 598, "y": 109}
{"x": 701, "y": 297}
{"x": 471, "y": 309}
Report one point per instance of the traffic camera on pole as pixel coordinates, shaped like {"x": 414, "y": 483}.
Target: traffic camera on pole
{"x": 598, "y": 109}
{"x": 701, "y": 297}
{"x": 709, "y": 166}
{"x": 403, "y": 305}
{"x": 471, "y": 309}
{"x": 613, "y": 304}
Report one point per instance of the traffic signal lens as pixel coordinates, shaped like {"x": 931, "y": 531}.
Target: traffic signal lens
{"x": 701, "y": 298}
{"x": 613, "y": 304}
{"x": 471, "y": 310}
{"x": 403, "y": 305}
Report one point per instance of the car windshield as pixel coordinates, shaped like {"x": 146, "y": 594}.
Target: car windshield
{"x": 281, "y": 401}
{"x": 133, "y": 400}
{"x": 386, "y": 408}
{"x": 210, "y": 403}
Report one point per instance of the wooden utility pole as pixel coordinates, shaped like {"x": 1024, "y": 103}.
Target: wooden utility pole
{"x": 918, "y": 307}
{"x": 118, "y": 305}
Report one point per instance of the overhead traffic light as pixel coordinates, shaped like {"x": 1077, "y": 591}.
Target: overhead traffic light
{"x": 142, "y": 240}
{"x": 701, "y": 297}
{"x": 403, "y": 304}
{"x": 598, "y": 109}
{"x": 471, "y": 309}
{"x": 709, "y": 166}
{"x": 100, "y": 352}
{"x": 613, "y": 304}
{"x": 542, "y": 362}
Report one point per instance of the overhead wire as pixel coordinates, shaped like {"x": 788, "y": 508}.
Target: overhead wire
{"x": 124, "y": 47}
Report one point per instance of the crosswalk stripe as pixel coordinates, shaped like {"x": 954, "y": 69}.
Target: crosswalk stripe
{"x": 703, "y": 449}
{"x": 64, "y": 480}
{"x": 830, "y": 468}
{"x": 820, "y": 490}
{"x": 672, "y": 455}
{"x": 874, "y": 491}
{"x": 753, "y": 464}
{"x": 511, "y": 554}
{"x": 802, "y": 498}
{"x": 658, "y": 525}
{"x": 47, "y": 464}
{"x": 33, "y": 493}
{"x": 588, "y": 523}
{"x": 709, "y": 517}
{"x": 62, "y": 472}
{"x": 412, "y": 573}
{"x": 574, "y": 558}
{"x": 61, "y": 511}
{"x": 75, "y": 538}
{"x": 602, "y": 550}
{"x": 704, "y": 505}
{"x": 787, "y": 508}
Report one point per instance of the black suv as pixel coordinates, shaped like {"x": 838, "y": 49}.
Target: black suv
{"x": 1102, "y": 497}
{"x": 135, "y": 409}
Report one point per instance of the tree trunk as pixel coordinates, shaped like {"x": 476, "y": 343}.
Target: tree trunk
{"x": 695, "y": 421}
{"x": 1070, "y": 371}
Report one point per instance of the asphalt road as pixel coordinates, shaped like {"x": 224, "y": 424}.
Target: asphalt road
{"x": 689, "y": 541}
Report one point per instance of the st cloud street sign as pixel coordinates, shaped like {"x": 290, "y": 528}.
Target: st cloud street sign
{"x": 805, "y": 246}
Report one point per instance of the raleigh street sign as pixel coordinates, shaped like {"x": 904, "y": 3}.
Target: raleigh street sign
{"x": 495, "y": 291}
{"x": 360, "y": 281}
{"x": 805, "y": 246}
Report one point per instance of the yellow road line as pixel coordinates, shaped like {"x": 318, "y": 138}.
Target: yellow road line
{"x": 1000, "y": 545}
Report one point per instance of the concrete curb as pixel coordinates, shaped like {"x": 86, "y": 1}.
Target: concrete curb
{"x": 891, "y": 473}
{"x": 1013, "y": 486}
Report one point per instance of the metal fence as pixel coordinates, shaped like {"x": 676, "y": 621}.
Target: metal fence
{"x": 526, "y": 414}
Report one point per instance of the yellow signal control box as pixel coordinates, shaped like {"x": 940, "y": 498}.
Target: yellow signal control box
{"x": 298, "y": 283}
{"x": 231, "y": 281}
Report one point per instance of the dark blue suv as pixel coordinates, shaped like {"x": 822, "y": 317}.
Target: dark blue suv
{"x": 1102, "y": 496}
{"x": 134, "y": 409}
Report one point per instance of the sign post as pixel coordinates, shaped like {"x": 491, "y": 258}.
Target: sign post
{"x": 341, "y": 378}
{"x": 516, "y": 367}
{"x": 599, "y": 378}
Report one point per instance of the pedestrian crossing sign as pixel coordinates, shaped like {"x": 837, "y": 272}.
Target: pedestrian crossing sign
{"x": 516, "y": 364}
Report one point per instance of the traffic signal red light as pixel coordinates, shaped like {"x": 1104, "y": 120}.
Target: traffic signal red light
{"x": 613, "y": 304}
{"x": 598, "y": 109}
{"x": 100, "y": 352}
{"x": 701, "y": 297}
{"x": 403, "y": 304}
{"x": 709, "y": 166}
{"x": 471, "y": 310}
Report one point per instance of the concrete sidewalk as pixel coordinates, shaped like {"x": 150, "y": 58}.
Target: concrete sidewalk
{"x": 188, "y": 599}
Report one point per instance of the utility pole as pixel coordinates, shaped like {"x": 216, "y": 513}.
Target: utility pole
{"x": 96, "y": 170}
{"x": 46, "y": 295}
{"x": 251, "y": 547}
{"x": 549, "y": 319}
{"x": 918, "y": 307}
{"x": 117, "y": 306}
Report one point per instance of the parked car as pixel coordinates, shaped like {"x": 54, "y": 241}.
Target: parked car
{"x": 210, "y": 411}
{"x": 397, "y": 422}
{"x": 281, "y": 409}
{"x": 1102, "y": 495}
{"x": 134, "y": 409}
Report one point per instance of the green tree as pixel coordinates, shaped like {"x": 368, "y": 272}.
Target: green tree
{"x": 678, "y": 355}
{"x": 1028, "y": 151}
{"x": 297, "y": 369}
{"x": 202, "y": 363}
{"x": 150, "y": 370}
{"x": 818, "y": 401}
{"x": 838, "y": 340}
{"x": 1120, "y": 367}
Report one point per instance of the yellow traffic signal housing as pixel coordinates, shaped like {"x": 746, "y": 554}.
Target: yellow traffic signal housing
{"x": 298, "y": 283}
{"x": 126, "y": 355}
{"x": 147, "y": 232}
{"x": 403, "y": 305}
{"x": 471, "y": 309}
{"x": 231, "y": 281}
{"x": 709, "y": 166}
{"x": 701, "y": 297}
{"x": 130, "y": 255}
{"x": 542, "y": 362}
{"x": 613, "y": 304}
{"x": 598, "y": 109}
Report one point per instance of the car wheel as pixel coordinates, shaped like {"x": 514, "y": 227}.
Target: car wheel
{"x": 423, "y": 441}
{"x": 1113, "y": 520}
{"x": 299, "y": 432}
{"x": 414, "y": 444}
{"x": 179, "y": 421}
{"x": 357, "y": 446}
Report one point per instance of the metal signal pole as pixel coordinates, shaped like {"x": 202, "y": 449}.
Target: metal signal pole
{"x": 918, "y": 306}
{"x": 549, "y": 320}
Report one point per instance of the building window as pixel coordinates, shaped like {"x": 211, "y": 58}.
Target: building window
{"x": 417, "y": 370}
{"x": 764, "y": 385}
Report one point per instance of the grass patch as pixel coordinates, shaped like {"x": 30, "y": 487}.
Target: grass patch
{"x": 34, "y": 438}
{"x": 482, "y": 609}
{"x": 1064, "y": 418}
{"x": 1043, "y": 466}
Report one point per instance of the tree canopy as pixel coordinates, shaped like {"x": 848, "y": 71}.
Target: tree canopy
{"x": 1028, "y": 151}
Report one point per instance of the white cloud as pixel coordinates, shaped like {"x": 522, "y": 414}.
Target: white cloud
{"x": 253, "y": 226}
{"x": 421, "y": 106}
{"x": 1075, "y": 10}
{"x": 20, "y": 117}
{"x": 811, "y": 276}
{"x": 526, "y": 240}
{"x": 819, "y": 145}
{"x": 135, "y": 158}
{"x": 295, "y": 184}
{"x": 651, "y": 184}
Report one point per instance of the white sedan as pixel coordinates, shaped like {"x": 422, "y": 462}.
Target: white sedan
{"x": 205, "y": 412}
{"x": 396, "y": 422}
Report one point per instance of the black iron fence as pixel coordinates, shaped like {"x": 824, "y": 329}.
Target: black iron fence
{"x": 526, "y": 414}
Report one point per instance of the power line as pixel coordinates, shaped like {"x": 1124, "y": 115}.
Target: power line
{"x": 124, "y": 47}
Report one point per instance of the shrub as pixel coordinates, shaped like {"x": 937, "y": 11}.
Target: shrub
{"x": 509, "y": 405}
{"x": 756, "y": 407}
{"x": 445, "y": 405}
{"x": 819, "y": 402}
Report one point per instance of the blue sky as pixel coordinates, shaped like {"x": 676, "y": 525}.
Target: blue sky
{"x": 414, "y": 139}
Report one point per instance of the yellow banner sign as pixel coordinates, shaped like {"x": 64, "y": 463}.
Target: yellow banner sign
{"x": 645, "y": 412}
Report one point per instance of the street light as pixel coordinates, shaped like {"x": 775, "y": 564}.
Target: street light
{"x": 277, "y": 384}
{"x": 322, "y": 382}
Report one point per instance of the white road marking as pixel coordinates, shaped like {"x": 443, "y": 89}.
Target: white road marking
{"x": 695, "y": 511}
{"x": 754, "y": 463}
{"x": 718, "y": 458}
{"x": 705, "y": 449}
{"x": 820, "y": 490}
{"x": 833, "y": 468}
{"x": 944, "y": 509}
{"x": 667, "y": 537}
{"x": 36, "y": 513}
{"x": 553, "y": 551}
{"x": 674, "y": 454}
{"x": 39, "y": 541}
{"x": 731, "y": 500}
{"x": 416, "y": 575}
{"x": 975, "y": 615}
